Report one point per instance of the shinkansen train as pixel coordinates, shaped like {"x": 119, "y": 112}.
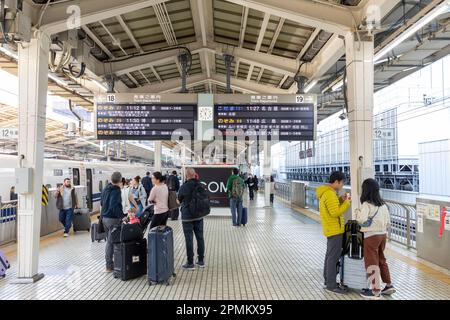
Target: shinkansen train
{"x": 94, "y": 175}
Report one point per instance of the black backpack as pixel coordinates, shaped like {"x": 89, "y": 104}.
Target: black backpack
{"x": 199, "y": 205}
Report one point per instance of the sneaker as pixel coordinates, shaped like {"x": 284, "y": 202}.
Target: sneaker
{"x": 201, "y": 264}
{"x": 337, "y": 290}
{"x": 108, "y": 270}
{"x": 388, "y": 290}
{"x": 188, "y": 266}
{"x": 66, "y": 235}
{"x": 368, "y": 294}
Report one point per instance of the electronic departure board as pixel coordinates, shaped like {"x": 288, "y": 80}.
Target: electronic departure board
{"x": 281, "y": 117}
{"x": 145, "y": 117}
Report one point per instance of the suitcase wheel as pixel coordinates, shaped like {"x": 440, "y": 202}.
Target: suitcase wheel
{"x": 174, "y": 275}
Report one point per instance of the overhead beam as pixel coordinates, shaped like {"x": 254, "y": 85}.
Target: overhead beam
{"x": 274, "y": 63}
{"x": 97, "y": 41}
{"x": 335, "y": 19}
{"x": 58, "y": 17}
{"x": 129, "y": 33}
{"x": 262, "y": 31}
{"x": 275, "y": 35}
{"x": 243, "y": 26}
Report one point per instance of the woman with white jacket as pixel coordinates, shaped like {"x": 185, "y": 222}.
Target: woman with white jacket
{"x": 374, "y": 219}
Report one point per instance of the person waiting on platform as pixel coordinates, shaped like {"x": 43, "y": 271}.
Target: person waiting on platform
{"x": 173, "y": 183}
{"x": 126, "y": 196}
{"x": 147, "y": 184}
{"x": 374, "y": 219}
{"x": 139, "y": 199}
{"x": 235, "y": 190}
{"x": 251, "y": 186}
{"x": 112, "y": 214}
{"x": 272, "y": 189}
{"x": 160, "y": 197}
{"x": 332, "y": 209}
{"x": 66, "y": 202}
{"x": 191, "y": 226}
{"x": 12, "y": 194}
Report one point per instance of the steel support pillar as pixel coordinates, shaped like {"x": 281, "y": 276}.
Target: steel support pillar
{"x": 360, "y": 78}
{"x": 267, "y": 171}
{"x": 33, "y": 78}
{"x": 157, "y": 153}
{"x": 228, "y": 59}
{"x": 184, "y": 61}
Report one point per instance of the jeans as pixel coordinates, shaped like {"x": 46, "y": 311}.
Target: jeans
{"x": 108, "y": 224}
{"x": 251, "y": 193}
{"x": 66, "y": 218}
{"x": 159, "y": 219}
{"x": 190, "y": 228}
{"x": 236, "y": 210}
{"x": 375, "y": 260}
{"x": 334, "y": 250}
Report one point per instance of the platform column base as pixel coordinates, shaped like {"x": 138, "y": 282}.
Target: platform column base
{"x": 33, "y": 279}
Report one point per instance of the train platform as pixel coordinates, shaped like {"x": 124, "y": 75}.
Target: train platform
{"x": 278, "y": 255}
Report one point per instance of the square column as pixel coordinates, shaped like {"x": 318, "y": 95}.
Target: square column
{"x": 267, "y": 171}
{"x": 157, "y": 153}
{"x": 33, "y": 79}
{"x": 360, "y": 79}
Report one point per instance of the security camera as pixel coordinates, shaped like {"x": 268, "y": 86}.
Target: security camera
{"x": 343, "y": 116}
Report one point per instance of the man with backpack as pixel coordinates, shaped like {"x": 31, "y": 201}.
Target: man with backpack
{"x": 235, "y": 190}
{"x": 195, "y": 206}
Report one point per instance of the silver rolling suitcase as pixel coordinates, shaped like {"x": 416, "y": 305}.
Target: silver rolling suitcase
{"x": 353, "y": 273}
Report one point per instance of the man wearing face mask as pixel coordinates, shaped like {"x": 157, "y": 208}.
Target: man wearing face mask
{"x": 66, "y": 202}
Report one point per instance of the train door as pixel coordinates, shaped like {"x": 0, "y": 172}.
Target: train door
{"x": 89, "y": 182}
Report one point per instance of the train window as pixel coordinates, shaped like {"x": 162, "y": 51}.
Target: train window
{"x": 100, "y": 186}
{"x": 76, "y": 176}
{"x": 377, "y": 168}
{"x": 386, "y": 168}
{"x": 57, "y": 172}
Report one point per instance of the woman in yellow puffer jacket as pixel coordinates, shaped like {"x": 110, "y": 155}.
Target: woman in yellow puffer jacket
{"x": 332, "y": 209}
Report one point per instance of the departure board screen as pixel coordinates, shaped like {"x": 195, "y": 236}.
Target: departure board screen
{"x": 291, "y": 122}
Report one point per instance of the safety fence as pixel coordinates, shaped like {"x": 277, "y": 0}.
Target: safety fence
{"x": 8, "y": 218}
{"x": 403, "y": 214}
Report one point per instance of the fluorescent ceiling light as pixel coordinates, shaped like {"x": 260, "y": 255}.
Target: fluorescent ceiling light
{"x": 101, "y": 86}
{"x": 310, "y": 86}
{"x": 337, "y": 86}
{"x": 413, "y": 29}
{"x": 9, "y": 53}
{"x": 57, "y": 80}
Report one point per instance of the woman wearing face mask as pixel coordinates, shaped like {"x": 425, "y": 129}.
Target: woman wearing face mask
{"x": 159, "y": 195}
{"x": 139, "y": 196}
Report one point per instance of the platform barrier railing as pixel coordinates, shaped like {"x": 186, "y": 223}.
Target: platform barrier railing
{"x": 283, "y": 190}
{"x": 403, "y": 216}
{"x": 8, "y": 221}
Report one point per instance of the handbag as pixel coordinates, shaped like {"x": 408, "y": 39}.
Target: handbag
{"x": 369, "y": 220}
{"x": 172, "y": 200}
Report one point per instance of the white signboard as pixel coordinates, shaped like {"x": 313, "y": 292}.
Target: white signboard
{"x": 9, "y": 133}
{"x": 384, "y": 134}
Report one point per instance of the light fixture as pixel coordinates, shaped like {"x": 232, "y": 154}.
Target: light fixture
{"x": 57, "y": 80}
{"x": 310, "y": 86}
{"x": 9, "y": 53}
{"x": 101, "y": 86}
{"x": 338, "y": 86}
{"x": 413, "y": 29}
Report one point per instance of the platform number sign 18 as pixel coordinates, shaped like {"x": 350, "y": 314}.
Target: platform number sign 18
{"x": 111, "y": 98}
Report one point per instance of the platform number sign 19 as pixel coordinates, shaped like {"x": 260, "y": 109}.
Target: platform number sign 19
{"x": 299, "y": 99}
{"x": 111, "y": 98}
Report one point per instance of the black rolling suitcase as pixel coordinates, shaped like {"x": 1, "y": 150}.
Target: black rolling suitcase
{"x": 81, "y": 220}
{"x": 130, "y": 259}
{"x": 126, "y": 232}
{"x": 160, "y": 255}
{"x": 95, "y": 234}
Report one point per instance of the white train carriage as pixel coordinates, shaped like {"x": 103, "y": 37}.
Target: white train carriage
{"x": 94, "y": 175}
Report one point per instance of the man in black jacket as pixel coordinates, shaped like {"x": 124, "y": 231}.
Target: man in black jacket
{"x": 147, "y": 184}
{"x": 112, "y": 214}
{"x": 191, "y": 226}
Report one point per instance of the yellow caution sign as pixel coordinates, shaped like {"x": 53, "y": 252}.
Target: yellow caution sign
{"x": 44, "y": 200}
